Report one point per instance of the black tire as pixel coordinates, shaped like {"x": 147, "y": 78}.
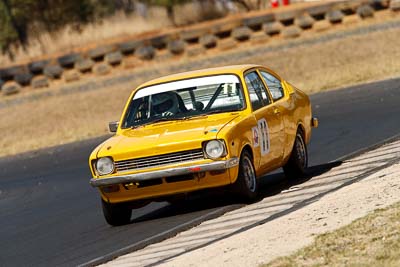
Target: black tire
{"x": 176, "y": 47}
{"x": 39, "y": 82}
{"x": 116, "y": 214}
{"x": 114, "y": 58}
{"x": 68, "y": 61}
{"x": 208, "y": 41}
{"x": 53, "y": 71}
{"x": 84, "y": 65}
{"x": 305, "y": 21}
{"x": 242, "y": 33}
{"x": 291, "y": 32}
{"x": 334, "y": 16}
{"x": 23, "y": 79}
{"x": 98, "y": 53}
{"x": 129, "y": 47}
{"x": 145, "y": 52}
{"x": 297, "y": 164}
{"x": 37, "y": 67}
{"x": 246, "y": 184}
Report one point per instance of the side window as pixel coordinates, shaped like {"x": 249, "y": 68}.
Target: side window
{"x": 274, "y": 85}
{"x": 258, "y": 93}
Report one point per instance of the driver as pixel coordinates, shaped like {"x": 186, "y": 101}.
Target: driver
{"x": 165, "y": 104}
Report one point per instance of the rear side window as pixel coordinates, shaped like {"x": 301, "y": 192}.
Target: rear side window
{"x": 274, "y": 85}
{"x": 257, "y": 91}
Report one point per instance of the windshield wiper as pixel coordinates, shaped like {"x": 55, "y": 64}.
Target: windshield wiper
{"x": 193, "y": 116}
{"x": 169, "y": 119}
{"x": 220, "y": 111}
{"x": 156, "y": 121}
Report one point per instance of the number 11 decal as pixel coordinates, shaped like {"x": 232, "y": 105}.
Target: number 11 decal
{"x": 264, "y": 136}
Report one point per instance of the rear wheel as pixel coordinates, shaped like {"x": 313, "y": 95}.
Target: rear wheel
{"x": 116, "y": 214}
{"x": 246, "y": 184}
{"x": 297, "y": 164}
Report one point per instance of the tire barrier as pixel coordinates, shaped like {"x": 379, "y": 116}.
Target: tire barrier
{"x": 291, "y": 32}
{"x": 128, "y": 48}
{"x": 255, "y": 23}
{"x": 10, "y": 88}
{"x": 395, "y": 5}
{"x": 71, "y": 76}
{"x": 23, "y": 79}
{"x": 176, "y": 47}
{"x": 114, "y": 58}
{"x": 272, "y": 28}
{"x": 9, "y": 73}
{"x": 208, "y": 41}
{"x": 304, "y": 21}
{"x": 40, "y": 82}
{"x": 242, "y": 33}
{"x": 227, "y": 44}
{"x": 68, "y": 61}
{"x": 259, "y": 38}
{"x": 334, "y": 16}
{"x": 197, "y": 49}
{"x": 98, "y": 53}
{"x": 37, "y": 67}
{"x": 223, "y": 34}
{"x": 101, "y": 69}
{"x": 145, "y": 52}
{"x": 365, "y": 11}
{"x": 53, "y": 71}
{"x": 159, "y": 42}
{"x": 84, "y": 65}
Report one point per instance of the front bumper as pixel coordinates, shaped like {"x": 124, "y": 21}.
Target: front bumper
{"x": 137, "y": 177}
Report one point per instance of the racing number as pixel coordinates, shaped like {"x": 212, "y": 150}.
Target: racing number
{"x": 264, "y": 136}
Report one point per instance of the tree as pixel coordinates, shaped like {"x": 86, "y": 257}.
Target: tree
{"x": 169, "y": 5}
{"x": 14, "y": 18}
{"x": 18, "y": 18}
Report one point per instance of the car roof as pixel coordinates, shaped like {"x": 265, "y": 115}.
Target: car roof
{"x": 233, "y": 69}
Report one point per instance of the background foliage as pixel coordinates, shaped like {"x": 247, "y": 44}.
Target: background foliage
{"x": 21, "y": 20}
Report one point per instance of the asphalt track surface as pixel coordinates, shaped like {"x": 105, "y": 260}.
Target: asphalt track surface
{"x": 50, "y": 216}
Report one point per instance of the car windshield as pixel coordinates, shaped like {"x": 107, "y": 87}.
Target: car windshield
{"x": 185, "y": 99}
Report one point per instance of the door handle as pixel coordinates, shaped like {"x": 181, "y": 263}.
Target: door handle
{"x": 277, "y": 111}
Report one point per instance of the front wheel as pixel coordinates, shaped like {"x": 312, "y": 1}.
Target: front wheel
{"x": 298, "y": 162}
{"x": 116, "y": 214}
{"x": 246, "y": 184}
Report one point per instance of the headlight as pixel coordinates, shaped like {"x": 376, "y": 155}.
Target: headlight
{"x": 215, "y": 149}
{"x": 105, "y": 166}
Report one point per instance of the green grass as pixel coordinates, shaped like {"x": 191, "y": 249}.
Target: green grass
{"x": 373, "y": 240}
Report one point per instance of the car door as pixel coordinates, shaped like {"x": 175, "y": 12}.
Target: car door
{"x": 280, "y": 104}
{"x": 267, "y": 130}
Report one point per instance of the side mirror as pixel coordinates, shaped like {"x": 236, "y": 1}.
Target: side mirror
{"x": 288, "y": 88}
{"x": 113, "y": 126}
{"x": 314, "y": 122}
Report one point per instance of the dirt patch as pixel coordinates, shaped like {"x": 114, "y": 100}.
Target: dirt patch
{"x": 373, "y": 240}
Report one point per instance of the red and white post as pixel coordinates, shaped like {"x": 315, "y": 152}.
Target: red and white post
{"x": 276, "y": 3}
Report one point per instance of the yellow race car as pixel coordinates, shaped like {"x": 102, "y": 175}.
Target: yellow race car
{"x": 201, "y": 129}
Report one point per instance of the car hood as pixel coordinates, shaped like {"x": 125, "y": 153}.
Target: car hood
{"x": 164, "y": 137}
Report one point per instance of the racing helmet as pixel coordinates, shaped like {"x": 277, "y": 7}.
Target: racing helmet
{"x": 165, "y": 103}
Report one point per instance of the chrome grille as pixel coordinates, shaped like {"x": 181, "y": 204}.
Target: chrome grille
{"x": 159, "y": 160}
